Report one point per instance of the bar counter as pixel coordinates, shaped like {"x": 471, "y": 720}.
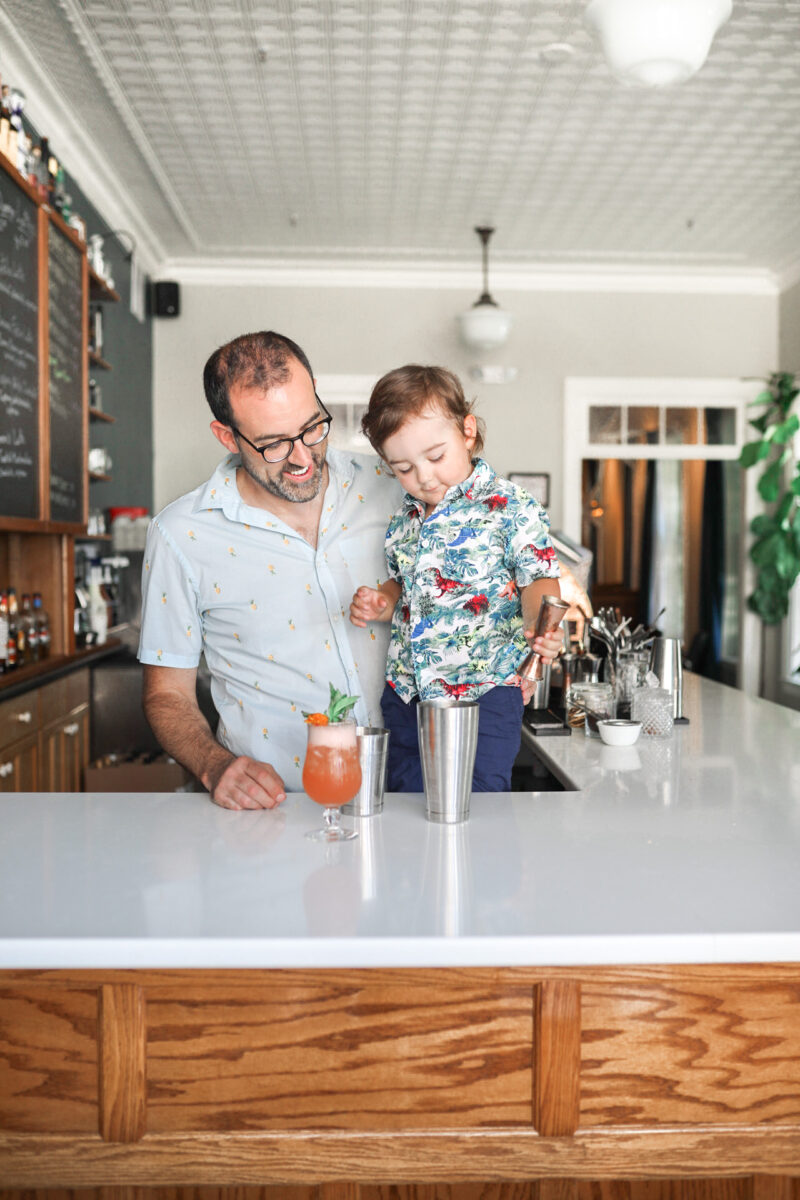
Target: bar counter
{"x": 596, "y": 984}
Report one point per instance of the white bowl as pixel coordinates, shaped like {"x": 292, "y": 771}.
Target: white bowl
{"x": 619, "y": 733}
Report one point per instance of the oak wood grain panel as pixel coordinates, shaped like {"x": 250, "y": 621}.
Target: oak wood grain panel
{"x": 665, "y": 1189}
{"x": 654, "y": 1053}
{"x": 438, "y": 1055}
{"x": 557, "y": 1059}
{"x": 122, "y": 1069}
{"x": 292, "y": 1158}
{"x": 48, "y": 1058}
{"x": 775, "y": 1187}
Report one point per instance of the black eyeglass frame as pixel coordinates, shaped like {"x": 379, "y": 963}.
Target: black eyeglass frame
{"x": 300, "y": 437}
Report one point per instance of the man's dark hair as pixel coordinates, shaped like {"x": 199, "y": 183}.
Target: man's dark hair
{"x": 254, "y": 360}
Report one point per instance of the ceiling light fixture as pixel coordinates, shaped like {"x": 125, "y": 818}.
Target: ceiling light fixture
{"x": 486, "y": 325}
{"x": 656, "y": 42}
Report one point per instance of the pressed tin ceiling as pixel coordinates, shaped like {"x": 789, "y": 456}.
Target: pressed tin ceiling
{"x": 386, "y": 129}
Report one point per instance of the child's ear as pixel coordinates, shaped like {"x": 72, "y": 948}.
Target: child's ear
{"x": 470, "y": 430}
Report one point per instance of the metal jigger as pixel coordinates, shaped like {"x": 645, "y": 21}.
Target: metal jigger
{"x": 552, "y": 611}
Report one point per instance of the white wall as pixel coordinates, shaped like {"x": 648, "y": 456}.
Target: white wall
{"x": 789, "y": 348}
{"x": 357, "y": 331}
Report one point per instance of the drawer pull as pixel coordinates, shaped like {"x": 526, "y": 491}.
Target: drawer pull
{"x": 24, "y": 718}
{"x": 72, "y": 729}
{"x": 6, "y": 769}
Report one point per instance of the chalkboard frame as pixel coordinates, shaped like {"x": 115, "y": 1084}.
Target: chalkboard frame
{"x": 45, "y": 218}
{"x": 24, "y": 524}
{"x": 76, "y": 527}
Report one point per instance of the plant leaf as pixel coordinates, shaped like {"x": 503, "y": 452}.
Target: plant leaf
{"x": 765, "y": 397}
{"x": 786, "y": 430}
{"x": 762, "y": 524}
{"x": 770, "y": 482}
{"x": 753, "y": 452}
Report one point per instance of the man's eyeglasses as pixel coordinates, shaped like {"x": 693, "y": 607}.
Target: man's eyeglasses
{"x": 281, "y": 448}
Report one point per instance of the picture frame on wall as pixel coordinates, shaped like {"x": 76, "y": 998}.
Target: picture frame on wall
{"x": 537, "y": 485}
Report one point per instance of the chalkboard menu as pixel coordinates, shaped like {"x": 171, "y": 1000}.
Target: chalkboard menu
{"x": 67, "y": 356}
{"x": 19, "y": 352}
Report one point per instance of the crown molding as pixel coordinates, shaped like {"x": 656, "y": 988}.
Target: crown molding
{"x": 448, "y": 276}
{"x": 49, "y": 110}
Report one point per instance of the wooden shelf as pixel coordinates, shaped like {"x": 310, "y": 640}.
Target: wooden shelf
{"x": 97, "y": 477}
{"x": 93, "y": 537}
{"x": 99, "y": 289}
{"x": 97, "y": 414}
{"x": 97, "y": 361}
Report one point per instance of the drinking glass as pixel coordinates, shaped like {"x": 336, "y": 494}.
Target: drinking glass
{"x": 632, "y": 668}
{"x": 332, "y": 776}
{"x": 653, "y": 707}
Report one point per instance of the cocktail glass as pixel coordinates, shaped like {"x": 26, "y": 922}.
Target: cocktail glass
{"x": 332, "y": 776}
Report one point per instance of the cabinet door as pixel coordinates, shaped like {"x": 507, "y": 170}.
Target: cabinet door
{"x": 19, "y": 766}
{"x": 65, "y": 752}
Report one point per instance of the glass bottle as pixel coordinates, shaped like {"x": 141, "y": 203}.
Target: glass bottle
{"x": 28, "y": 622}
{"x": 42, "y": 618}
{"x": 15, "y": 659}
{"x": 3, "y": 632}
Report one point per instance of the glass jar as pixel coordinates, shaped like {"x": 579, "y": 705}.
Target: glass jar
{"x": 632, "y": 668}
{"x": 599, "y": 704}
{"x": 653, "y": 707}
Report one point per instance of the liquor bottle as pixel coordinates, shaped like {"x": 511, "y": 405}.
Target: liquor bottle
{"x": 12, "y": 658}
{"x": 18, "y": 626}
{"x": 42, "y": 618}
{"x": 42, "y": 170}
{"x": 3, "y": 632}
{"x": 5, "y": 118}
{"x": 28, "y": 623}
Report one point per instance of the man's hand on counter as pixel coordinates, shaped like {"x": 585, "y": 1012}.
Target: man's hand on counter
{"x": 244, "y": 783}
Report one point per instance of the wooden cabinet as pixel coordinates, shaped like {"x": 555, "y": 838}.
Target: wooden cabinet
{"x": 44, "y": 737}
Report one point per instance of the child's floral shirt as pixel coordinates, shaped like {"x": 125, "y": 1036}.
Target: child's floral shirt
{"x": 457, "y": 629}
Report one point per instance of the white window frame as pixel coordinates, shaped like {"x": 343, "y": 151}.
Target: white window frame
{"x": 346, "y": 397}
{"x": 580, "y": 394}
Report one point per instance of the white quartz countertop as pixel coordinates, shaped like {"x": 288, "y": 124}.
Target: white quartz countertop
{"x": 686, "y": 850}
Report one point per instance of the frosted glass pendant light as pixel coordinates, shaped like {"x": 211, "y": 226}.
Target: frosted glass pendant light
{"x": 486, "y": 325}
{"x": 656, "y": 42}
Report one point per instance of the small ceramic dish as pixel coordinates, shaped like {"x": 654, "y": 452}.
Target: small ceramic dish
{"x": 619, "y": 733}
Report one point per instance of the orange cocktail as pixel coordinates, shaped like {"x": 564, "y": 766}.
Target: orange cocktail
{"x": 332, "y": 774}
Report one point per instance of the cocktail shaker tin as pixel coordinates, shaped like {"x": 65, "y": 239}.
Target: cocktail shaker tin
{"x": 552, "y": 611}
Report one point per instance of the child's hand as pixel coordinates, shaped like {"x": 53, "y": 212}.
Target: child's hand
{"x": 549, "y": 646}
{"x": 368, "y": 604}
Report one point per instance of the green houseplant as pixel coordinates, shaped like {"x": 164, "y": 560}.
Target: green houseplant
{"x": 776, "y": 548}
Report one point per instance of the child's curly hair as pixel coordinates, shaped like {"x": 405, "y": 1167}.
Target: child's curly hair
{"x": 406, "y": 392}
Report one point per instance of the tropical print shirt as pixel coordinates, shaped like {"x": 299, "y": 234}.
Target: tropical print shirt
{"x": 269, "y": 611}
{"x": 458, "y": 629}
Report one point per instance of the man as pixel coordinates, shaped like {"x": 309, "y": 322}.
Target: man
{"x": 256, "y": 568}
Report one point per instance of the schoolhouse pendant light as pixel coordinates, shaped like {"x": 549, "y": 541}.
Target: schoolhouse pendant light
{"x": 656, "y": 43}
{"x": 486, "y": 325}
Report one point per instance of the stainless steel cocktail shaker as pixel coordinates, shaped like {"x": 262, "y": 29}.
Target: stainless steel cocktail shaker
{"x": 552, "y": 611}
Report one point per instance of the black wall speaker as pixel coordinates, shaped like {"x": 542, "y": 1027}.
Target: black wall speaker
{"x": 166, "y": 298}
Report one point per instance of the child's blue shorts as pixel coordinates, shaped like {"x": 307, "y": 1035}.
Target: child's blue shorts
{"x": 499, "y": 737}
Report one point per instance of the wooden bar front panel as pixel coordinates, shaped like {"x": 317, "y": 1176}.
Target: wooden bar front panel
{"x": 383, "y": 1057}
{"x": 405, "y": 1085}
{"x": 659, "y": 1053}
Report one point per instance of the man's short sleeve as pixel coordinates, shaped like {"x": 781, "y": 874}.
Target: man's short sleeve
{"x": 530, "y": 554}
{"x": 171, "y": 634}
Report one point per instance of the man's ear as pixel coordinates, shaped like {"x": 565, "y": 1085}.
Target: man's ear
{"x": 224, "y": 435}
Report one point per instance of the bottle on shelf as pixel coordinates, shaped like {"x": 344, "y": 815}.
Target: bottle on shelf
{"x": 3, "y": 633}
{"x": 42, "y": 619}
{"x": 29, "y": 627}
{"x": 98, "y": 606}
{"x": 16, "y": 633}
{"x": 5, "y": 119}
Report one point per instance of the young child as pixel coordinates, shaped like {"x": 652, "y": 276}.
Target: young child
{"x": 469, "y": 557}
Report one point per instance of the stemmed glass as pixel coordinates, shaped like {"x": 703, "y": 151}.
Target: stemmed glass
{"x": 332, "y": 776}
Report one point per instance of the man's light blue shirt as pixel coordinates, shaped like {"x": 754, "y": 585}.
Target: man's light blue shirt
{"x": 269, "y": 611}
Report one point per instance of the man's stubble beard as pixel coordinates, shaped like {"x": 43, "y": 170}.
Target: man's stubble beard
{"x": 282, "y": 487}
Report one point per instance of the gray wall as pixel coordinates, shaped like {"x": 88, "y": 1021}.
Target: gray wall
{"x": 789, "y": 335}
{"x": 357, "y": 331}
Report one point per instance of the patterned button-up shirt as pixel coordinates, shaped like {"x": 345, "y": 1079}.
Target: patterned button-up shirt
{"x": 269, "y": 611}
{"x": 458, "y": 629}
